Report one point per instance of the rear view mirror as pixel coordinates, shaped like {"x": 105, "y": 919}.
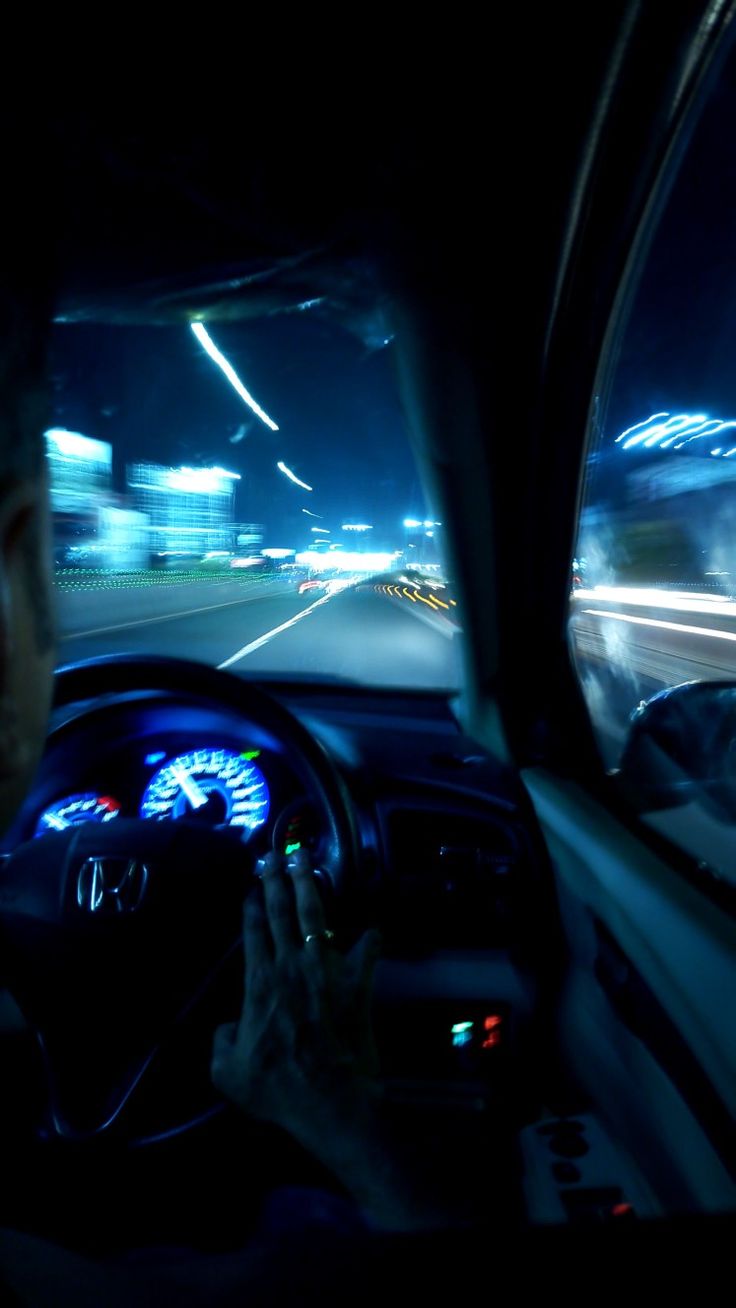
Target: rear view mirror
{"x": 682, "y": 746}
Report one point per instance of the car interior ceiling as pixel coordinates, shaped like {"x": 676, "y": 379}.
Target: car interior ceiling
{"x": 496, "y": 794}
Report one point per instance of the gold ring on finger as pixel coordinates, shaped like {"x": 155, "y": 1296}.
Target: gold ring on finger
{"x": 325, "y": 935}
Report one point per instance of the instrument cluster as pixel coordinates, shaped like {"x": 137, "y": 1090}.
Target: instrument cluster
{"x": 212, "y": 783}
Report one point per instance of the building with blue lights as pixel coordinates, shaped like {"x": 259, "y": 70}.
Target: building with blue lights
{"x": 190, "y": 511}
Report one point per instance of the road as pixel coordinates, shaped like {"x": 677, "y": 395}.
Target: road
{"x": 361, "y": 634}
{"x": 627, "y": 643}
{"x": 630, "y": 642}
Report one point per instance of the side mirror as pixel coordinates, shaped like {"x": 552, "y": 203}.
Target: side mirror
{"x": 682, "y": 747}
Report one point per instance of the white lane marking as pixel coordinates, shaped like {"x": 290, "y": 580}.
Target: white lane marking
{"x": 658, "y": 622}
{"x": 162, "y": 617}
{"x": 269, "y": 635}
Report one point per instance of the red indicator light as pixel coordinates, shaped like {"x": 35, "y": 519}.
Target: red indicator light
{"x": 492, "y": 1021}
{"x": 491, "y": 1040}
{"x": 622, "y": 1210}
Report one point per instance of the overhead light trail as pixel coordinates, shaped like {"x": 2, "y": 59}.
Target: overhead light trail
{"x": 312, "y": 515}
{"x": 292, "y": 476}
{"x": 205, "y": 340}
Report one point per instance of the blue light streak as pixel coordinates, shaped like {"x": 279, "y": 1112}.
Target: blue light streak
{"x": 665, "y": 430}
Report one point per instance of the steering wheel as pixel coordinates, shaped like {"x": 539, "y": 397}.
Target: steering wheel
{"x": 122, "y": 942}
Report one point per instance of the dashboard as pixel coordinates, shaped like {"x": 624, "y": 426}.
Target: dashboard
{"x": 450, "y": 867}
{"x": 161, "y": 759}
{"x": 448, "y": 853}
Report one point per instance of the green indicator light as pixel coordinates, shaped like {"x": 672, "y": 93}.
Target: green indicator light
{"x": 461, "y": 1026}
{"x": 291, "y": 849}
{"x": 251, "y": 754}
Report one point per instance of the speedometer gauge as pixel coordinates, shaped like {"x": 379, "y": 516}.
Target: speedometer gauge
{"x": 75, "y": 809}
{"x": 215, "y": 786}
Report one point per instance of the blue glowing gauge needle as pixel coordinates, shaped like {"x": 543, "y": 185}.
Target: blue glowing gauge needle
{"x": 58, "y": 823}
{"x": 193, "y": 792}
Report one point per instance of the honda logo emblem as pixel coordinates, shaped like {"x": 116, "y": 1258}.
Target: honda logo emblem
{"x": 111, "y": 885}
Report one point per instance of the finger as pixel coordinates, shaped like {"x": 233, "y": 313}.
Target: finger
{"x": 256, "y": 942}
{"x": 310, "y": 913}
{"x": 279, "y": 900}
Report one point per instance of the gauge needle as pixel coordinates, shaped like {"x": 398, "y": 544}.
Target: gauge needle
{"x": 192, "y": 790}
{"x": 58, "y": 823}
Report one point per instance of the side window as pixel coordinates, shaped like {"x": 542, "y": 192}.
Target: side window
{"x": 653, "y": 587}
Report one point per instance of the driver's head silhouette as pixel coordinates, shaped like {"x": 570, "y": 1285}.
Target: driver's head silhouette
{"x": 26, "y": 608}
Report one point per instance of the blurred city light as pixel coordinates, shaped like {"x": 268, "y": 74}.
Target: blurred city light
{"x": 73, "y": 445}
{"x": 187, "y": 510}
{"x": 356, "y": 526}
{"x": 412, "y": 522}
{"x": 204, "y": 338}
{"x": 322, "y": 530}
{"x": 664, "y": 430}
{"x": 349, "y": 561}
{"x": 200, "y": 481}
{"x": 292, "y": 476}
{"x": 312, "y": 515}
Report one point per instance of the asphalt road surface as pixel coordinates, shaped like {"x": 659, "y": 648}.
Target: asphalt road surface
{"x": 360, "y": 634}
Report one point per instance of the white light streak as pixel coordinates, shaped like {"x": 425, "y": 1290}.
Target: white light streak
{"x": 676, "y": 601}
{"x": 292, "y": 476}
{"x": 659, "y": 622}
{"x": 205, "y": 340}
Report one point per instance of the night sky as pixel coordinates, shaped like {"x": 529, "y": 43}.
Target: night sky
{"x": 155, "y": 395}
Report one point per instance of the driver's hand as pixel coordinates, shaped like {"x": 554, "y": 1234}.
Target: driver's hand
{"x": 302, "y": 1055}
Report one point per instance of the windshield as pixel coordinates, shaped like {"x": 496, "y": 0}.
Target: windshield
{"x": 245, "y": 495}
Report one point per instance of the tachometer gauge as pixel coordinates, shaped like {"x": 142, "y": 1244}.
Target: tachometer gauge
{"x": 215, "y": 786}
{"x": 75, "y": 809}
